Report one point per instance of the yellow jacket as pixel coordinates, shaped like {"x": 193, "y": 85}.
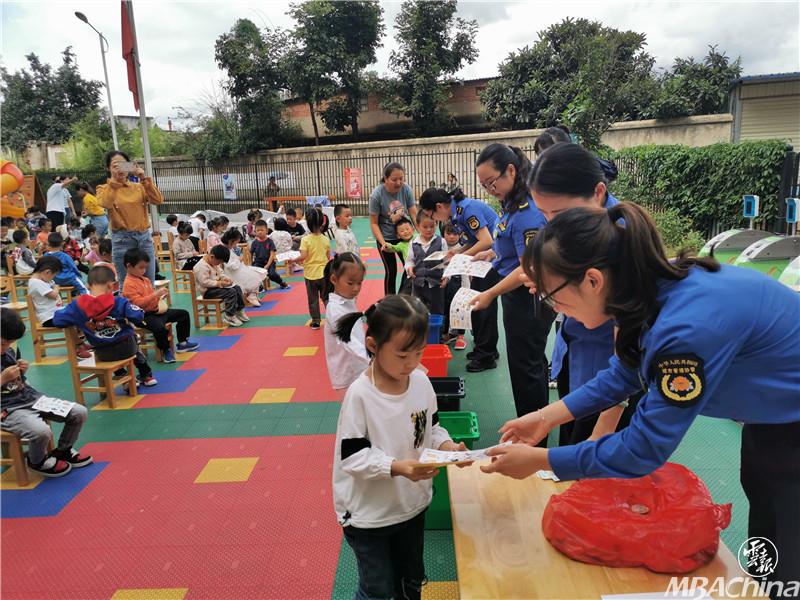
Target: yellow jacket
{"x": 92, "y": 206}
{"x": 127, "y": 203}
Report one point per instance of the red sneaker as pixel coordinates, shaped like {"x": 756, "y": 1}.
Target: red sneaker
{"x": 51, "y": 467}
{"x": 461, "y": 343}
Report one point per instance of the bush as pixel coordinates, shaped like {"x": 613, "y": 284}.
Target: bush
{"x": 705, "y": 184}
{"x": 677, "y": 232}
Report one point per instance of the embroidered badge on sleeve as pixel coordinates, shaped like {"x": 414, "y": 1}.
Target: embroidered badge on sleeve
{"x": 680, "y": 378}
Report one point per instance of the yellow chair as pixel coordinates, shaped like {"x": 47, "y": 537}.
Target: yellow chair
{"x": 88, "y": 370}
{"x": 164, "y": 257}
{"x": 204, "y": 308}
{"x": 13, "y": 455}
{"x": 43, "y": 336}
{"x": 20, "y": 281}
{"x": 7, "y": 287}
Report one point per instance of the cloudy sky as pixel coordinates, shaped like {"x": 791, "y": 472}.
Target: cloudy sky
{"x": 176, "y": 38}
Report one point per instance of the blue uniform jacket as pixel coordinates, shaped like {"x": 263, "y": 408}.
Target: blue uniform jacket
{"x": 513, "y": 232}
{"x": 469, "y": 216}
{"x": 69, "y": 275}
{"x": 110, "y": 330}
{"x": 589, "y": 349}
{"x": 723, "y": 345}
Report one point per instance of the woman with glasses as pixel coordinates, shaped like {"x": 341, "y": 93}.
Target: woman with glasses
{"x": 699, "y": 338}
{"x": 503, "y": 171}
{"x": 567, "y": 176}
{"x": 475, "y": 221}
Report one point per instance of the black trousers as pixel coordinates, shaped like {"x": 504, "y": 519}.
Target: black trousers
{"x": 157, "y": 324}
{"x": 526, "y": 339}
{"x": 195, "y": 242}
{"x": 232, "y": 298}
{"x": 390, "y": 563}
{"x": 272, "y": 273}
{"x": 770, "y": 476}
{"x": 389, "y": 260}
{"x": 484, "y": 322}
{"x": 125, "y": 349}
{"x": 56, "y": 217}
{"x": 314, "y": 290}
{"x": 432, "y": 297}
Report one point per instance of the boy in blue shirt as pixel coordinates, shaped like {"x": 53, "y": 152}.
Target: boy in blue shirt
{"x": 69, "y": 275}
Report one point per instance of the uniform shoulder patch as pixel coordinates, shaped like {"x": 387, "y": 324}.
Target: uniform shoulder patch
{"x": 530, "y": 234}
{"x": 680, "y": 378}
{"x": 473, "y": 223}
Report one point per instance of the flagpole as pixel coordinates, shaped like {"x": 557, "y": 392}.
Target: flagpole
{"x": 148, "y": 160}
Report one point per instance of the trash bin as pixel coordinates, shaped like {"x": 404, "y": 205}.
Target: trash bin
{"x": 435, "y": 358}
{"x": 462, "y": 427}
{"x": 435, "y": 323}
{"x": 449, "y": 392}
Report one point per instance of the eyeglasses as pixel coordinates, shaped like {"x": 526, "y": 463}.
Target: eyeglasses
{"x": 547, "y": 299}
{"x": 491, "y": 187}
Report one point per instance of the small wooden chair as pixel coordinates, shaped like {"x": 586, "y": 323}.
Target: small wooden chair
{"x": 164, "y": 257}
{"x": 20, "y": 281}
{"x": 203, "y": 245}
{"x": 88, "y": 370}
{"x": 43, "y": 336}
{"x": 13, "y": 455}
{"x": 66, "y": 293}
{"x": 247, "y": 257}
{"x": 148, "y": 341}
{"x": 205, "y": 309}
{"x": 7, "y": 287}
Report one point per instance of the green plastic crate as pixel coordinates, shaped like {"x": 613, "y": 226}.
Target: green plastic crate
{"x": 462, "y": 427}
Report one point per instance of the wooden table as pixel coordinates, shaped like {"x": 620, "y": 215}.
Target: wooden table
{"x": 501, "y": 551}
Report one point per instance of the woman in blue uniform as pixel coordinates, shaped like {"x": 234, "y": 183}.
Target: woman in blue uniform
{"x": 698, "y": 337}
{"x": 567, "y": 176}
{"x": 475, "y": 221}
{"x": 503, "y": 171}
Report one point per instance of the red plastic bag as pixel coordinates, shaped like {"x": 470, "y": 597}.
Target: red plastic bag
{"x": 665, "y": 521}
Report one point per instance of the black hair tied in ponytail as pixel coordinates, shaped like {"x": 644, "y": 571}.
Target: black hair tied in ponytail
{"x": 501, "y": 156}
{"x": 624, "y": 242}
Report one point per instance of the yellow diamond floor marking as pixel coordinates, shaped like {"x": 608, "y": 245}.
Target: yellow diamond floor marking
{"x": 272, "y": 395}
{"x": 213, "y": 328}
{"x": 184, "y": 356}
{"x": 301, "y": 351}
{"x": 225, "y": 470}
{"x": 440, "y": 590}
{"x": 8, "y": 480}
{"x": 151, "y": 594}
{"x": 52, "y": 360}
{"x": 122, "y": 402}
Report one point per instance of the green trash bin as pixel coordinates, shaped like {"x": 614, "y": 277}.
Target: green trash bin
{"x": 462, "y": 427}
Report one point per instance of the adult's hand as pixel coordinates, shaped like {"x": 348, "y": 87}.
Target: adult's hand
{"x": 517, "y": 461}
{"x": 484, "y": 255}
{"x": 137, "y": 171}
{"x": 529, "y": 429}
{"x": 483, "y": 300}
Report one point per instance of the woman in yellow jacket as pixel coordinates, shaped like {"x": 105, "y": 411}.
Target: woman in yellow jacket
{"x": 127, "y": 202}
{"x": 92, "y": 209}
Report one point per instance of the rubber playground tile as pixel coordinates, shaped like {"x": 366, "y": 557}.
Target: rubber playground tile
{"x": 51, "y": 496}
{"x": 217, "y": 342}
{"x": 209, "y": 429}
{"x": 297, "y": 426}
{"x": 301, "y": 351}
{"x": 151, "y": 594}
{"x": 171, "y": 382}
{"x": 121, "y": 403}
{"x": 8, "y": 480}
{"x": 266, "y": 306}
{"x": 223, "y": 470}
{"x": 441, "y": 590}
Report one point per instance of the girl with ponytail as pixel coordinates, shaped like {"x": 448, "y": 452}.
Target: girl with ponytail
{"x": 696, "y": 338}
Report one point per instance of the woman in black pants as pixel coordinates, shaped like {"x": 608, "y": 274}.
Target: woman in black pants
{"x": 388, "y": 203}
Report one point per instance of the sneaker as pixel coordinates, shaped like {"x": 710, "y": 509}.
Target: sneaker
{"x": 168, "y": 357}
{"x": 478, "y": 366}
{"x": 83, "y": 351}
{"x": 552, "y": 384}
{"x": 120, "y": 373}
{"x": 253, "y": 300}
{"x": 231, "y": 320}
{"x": 73, "y": 457}
{"x": 187, "y": 346}
{"x": 284, "y": 285}
{"x": 314, "y": 324}
{"x": 51, "y": 467}
{"x": 148, "y": 381}
{"x": 242, "y": 316}
{"x": 472, "y": 355}
{"x": 461, "y": 343}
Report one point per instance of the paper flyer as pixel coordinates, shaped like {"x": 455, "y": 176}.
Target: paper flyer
{"x": 440, "y": 256}
{"x": 290, "y": 255}
{"x": 442, "y": 458}
{"x": 464, "y": 265}
{"x": 53, "y": 405}
{"x": 461, "y": 310}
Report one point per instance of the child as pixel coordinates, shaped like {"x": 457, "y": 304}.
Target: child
{"x": 388, "y": 417}
{"x": 281, "y": 236}
{"x": 74, "y": 229}
{"x": 45, "y": 229}
{"x": 33, "y": 216}
{"x": 295, "y": 229}
{"x": 44, "y": 295}
{"x": 105, "y": 321}
{"x": 24, "y": 263}
{"x": 346, "y": 360}
{"x": 253, "y": 216}
{"x": 198, "y": 223}
{"x": 212, "y": 283}
{"x": 215, "y": 227}
{"x": 19, "y": 417}
{"x": 453, "y": 238}
{"x": 315, "y": 250}
{"x": 264, "y": 253}
{"x": 157, "y": 315}
{"x": 172, "y": 221}
{"x": 224, "y": 222}
{"x": 72, "y": 248}
{"x": 70, "y": 275}
{"x": 250, "y": 279}
{"x": 345, "y": 238}
{"x": 404, "y": 229}
{"x": 301, "y": 218}
{"x": 425, "y": 277}
{"x": 183, "y": 248}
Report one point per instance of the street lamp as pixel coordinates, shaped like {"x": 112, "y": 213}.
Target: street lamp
{"x": 103, "y": 50}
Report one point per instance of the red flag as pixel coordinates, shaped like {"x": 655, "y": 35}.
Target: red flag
{"x": 128, "y": 46}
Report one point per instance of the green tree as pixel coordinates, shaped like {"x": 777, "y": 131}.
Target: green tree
{"x": 696, "y": 88}
{"x": 433, "y": 45}
{"x": 338, "y": 41}
{"x": 579, "y": 73}
{"x": 42, "y": 104}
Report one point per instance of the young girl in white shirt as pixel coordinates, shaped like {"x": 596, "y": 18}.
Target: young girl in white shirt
{"x": 250, "y": 279}
{"x": 346, "y": 360}
{"x": 388, "y": 417}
